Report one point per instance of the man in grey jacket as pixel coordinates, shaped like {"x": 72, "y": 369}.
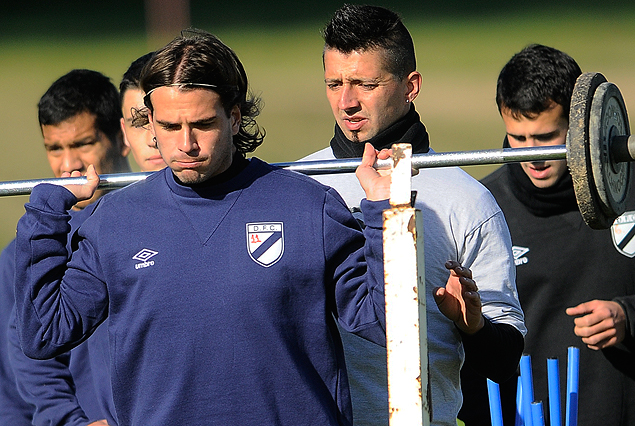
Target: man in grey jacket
{"x": 371, "y": 83}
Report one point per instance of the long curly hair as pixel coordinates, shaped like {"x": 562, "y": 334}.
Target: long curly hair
{"x": 197, "y": 59}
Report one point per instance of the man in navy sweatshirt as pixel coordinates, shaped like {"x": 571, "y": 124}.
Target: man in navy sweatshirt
{"x": 79, "y": 118}
{"x": 70, "y": 400}
{"x": 221, "y": 277}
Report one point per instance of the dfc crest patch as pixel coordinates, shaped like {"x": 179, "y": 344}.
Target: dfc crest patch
{"x": 265, "y": 242}
{"x": 623, "y": 234}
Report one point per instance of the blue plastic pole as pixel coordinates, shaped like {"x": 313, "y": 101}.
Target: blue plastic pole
{"x": 528, "y": 389}
{"x": 553, "y": 377}
{"x": 573, "y": 371}
{"x": 519, "y": 403}
{"x": 537, "y": 414}
{"x": 495, "y": 408}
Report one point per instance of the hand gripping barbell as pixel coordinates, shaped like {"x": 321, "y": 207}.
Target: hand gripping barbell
{"x": 598, "y": 150}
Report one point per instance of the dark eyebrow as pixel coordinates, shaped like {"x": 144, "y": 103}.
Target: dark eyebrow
{"x": 74, "y": 144}
{"x": 164, "y": 123}
{"x": 207, "y": 120}
{"x": 549, "y": 135}
{"x": 543, "y": 136}
{"x": 202, "y": 121}
{"x": 86, "y": 140}
{"x": 375, "y": 80}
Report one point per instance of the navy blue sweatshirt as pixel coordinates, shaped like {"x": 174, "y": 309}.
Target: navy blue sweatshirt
{"x": 63, "y": 390}
{"x": 13, "y": 409}
{"x": 220, "y": 298}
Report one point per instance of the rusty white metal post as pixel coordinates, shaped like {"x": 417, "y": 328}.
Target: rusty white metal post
{"x": 406, "y": 329}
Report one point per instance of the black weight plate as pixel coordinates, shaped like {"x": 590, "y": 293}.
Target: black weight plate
{"x": 578, "y": 156}
{"x": 608, "y": 119}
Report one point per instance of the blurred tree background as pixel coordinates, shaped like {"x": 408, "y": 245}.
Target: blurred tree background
{"x": 461, "y": 46}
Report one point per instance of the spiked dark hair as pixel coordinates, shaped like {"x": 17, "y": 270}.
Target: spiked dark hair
{"x": 362, "y": 28}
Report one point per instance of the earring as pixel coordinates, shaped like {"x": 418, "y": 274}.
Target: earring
{"x": 407, "y": 100}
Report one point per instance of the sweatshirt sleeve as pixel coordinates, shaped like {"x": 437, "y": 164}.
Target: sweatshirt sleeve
{"x": 47, "y": 385}
{"x": 494, "y": 351}
{"x": 13, "y": 409}
{"x": 621, "y": 356}
{"x": 57, "y": 305}
{"x": 628, "y": 304}
{"x": 488, "y": 253}
{"x": 357, "y": 267}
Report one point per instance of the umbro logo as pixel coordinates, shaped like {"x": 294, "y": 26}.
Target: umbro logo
{"x": 519, "y": 252}
{"x": 144, "y": 257}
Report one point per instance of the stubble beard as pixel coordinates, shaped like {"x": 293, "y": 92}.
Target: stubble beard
{"x": 190, "y": 178}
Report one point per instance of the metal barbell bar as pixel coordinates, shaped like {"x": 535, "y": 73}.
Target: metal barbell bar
{"x": 598, "y": 147}
{"x": 316, "y": 167}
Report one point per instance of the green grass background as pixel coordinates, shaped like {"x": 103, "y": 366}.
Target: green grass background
{"x": 459, "y": 55}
